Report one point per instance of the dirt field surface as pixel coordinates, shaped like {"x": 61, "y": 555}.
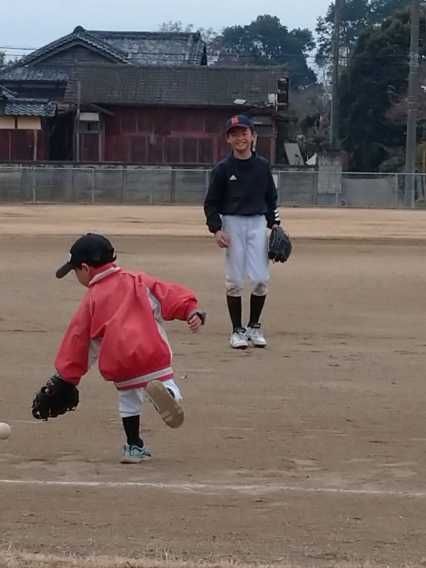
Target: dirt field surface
{"x": 311, "y": 452}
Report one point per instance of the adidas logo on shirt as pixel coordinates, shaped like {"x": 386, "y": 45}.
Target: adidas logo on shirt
{"x": 232, "y": 178}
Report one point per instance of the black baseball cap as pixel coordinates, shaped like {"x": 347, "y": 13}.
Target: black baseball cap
{"x": 239, "y": 120}
{"x": 94, "y": 250}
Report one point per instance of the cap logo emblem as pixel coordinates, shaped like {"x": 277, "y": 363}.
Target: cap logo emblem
{"x": 235, "y": 120}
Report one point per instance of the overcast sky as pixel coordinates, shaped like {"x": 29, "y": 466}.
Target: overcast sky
{"x": 33, "y": 23}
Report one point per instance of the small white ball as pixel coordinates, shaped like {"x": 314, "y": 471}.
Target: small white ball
{"x": 5, "y": 431}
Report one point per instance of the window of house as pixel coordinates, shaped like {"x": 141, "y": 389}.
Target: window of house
{"x": 89, "y": 127}
{"x": 264, "y": 130}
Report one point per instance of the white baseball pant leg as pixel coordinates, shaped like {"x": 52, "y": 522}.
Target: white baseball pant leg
{"x": 247, "y": 254}
{"x": 130, "y": 402}
{"x": 235, "y": 254}
{"x": 257, "y": 264}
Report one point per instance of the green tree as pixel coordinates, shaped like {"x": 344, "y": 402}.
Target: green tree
{"x": 356, "y": 15}
{"x": 375, "y": 80}
{"x": 381, "y": 9}
{"x": 267, "y": 42}
{"x": 208, "y": 34}
{"x": 2, "y": 58}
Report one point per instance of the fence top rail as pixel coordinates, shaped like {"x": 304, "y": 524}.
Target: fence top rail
{"x": 106, "y": 169}
{"x": 7, "y": 168}
{"x": 163, "y": 169}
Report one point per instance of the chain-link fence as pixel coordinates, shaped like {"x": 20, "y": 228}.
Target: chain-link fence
{"x": 168, "y": 185}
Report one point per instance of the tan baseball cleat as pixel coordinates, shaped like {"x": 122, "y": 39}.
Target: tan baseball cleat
{"x": 165, "y": 404}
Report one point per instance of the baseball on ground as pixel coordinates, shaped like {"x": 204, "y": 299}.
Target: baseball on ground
{"x": 5, "y": 431}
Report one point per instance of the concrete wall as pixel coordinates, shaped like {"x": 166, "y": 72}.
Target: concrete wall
{"x": 120, "y": 183}
{"x": 297, "y": 187}
{"x": 369, "y": 191}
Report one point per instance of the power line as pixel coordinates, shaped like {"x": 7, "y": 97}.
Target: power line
{"x": 20, "y": 48}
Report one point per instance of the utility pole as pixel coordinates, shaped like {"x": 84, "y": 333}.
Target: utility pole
{"x": 77, "y": 124}
{"x": 334, "y": 128}
{"x": 412, "y": 101}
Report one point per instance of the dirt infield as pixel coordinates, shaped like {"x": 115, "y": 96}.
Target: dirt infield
{"x": 187, "y": 221}
{"x": 308, "y": 453}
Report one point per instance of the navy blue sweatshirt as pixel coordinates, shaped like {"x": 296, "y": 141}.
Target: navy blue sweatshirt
{"x": 241, "y": 187}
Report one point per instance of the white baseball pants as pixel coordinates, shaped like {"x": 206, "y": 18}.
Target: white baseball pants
{"x": 130, "y": 402}
{"x": 247, "y": 254}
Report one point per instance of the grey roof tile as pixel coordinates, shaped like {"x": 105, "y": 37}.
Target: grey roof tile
{"x": 174, "y": 86}
{"x": 131, "y": 48}
{"x": 156, "y": 48}
{"x": 79, "y": 35}
{"x": 39, "y": 73}
{"x": 12, "y": 105}
{"x": 29, "y": 107}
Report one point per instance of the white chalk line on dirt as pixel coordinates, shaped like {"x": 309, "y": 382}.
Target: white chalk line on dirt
{"x": 217, "y": 488}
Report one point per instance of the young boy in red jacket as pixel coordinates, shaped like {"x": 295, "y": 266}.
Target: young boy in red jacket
{"x": 120, "y": 322}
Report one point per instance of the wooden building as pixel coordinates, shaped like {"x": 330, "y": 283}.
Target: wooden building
{"x": 23, "y": 136}
{"x": 159, "y": 115}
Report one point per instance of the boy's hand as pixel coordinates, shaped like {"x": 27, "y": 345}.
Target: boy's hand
{"x": 222, "y": 239}
{"x": 194, "y": 323}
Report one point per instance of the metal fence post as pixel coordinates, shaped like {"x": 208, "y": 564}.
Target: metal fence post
{"x": 396, "y": 191}
{"x": 123, "y": 182}
{"x": 173, "y": 185}
{"x": 93, "y": 184}
{"x": 207, "y": 181}
{"x": 23, "y": 184}
{"x": 337, "y": 188}
{"x": 279, "y": 188}
{"x": 314, "y": 183}
{"x": 34, "y": 184}
{"x": 73, "y": 183}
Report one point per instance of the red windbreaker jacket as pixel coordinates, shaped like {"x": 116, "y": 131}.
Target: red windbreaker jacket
{"x": 120, "y": 323}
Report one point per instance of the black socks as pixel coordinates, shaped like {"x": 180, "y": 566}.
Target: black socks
{"x": 131, "y": 426}
{"x": 235, "y": 310}
{"x": 256, "y": 307}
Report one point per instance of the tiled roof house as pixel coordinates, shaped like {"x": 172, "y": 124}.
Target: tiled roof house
{"x": 141, "y": 97}
{"x": 47, "y": 68}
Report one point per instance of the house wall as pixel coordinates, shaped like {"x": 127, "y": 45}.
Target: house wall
{"x": 20, "y": 145}
{"x": 54, "y": 90}
{"x": 29, "y": 123}
{"x": 7, "y": 122}
{"x": 154, "y": 135}
{"x": 72, "y": 54}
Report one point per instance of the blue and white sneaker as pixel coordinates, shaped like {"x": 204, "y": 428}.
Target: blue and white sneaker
{"x": 165, "y": 404}
{"x": 134, "y": 454}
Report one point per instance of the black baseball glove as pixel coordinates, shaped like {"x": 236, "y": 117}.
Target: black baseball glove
{"x": 280, "y": 246}
{"x": 55, "y": 398}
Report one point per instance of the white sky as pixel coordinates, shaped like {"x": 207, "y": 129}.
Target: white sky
{"x": 33, "y": 23}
